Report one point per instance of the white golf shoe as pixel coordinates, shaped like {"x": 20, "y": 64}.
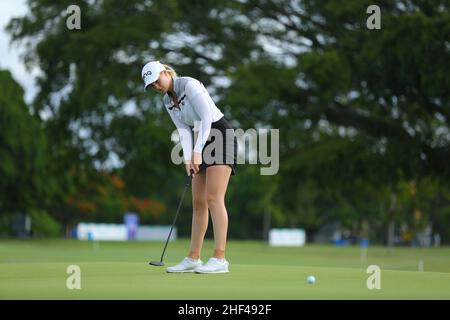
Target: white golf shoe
{"x": 187, "y": 265}
{"x": 214, "y": 265}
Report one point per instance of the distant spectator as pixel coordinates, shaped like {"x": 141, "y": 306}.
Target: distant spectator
{"x": 436, "y": 239}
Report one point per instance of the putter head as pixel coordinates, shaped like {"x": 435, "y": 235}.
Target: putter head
{"x": 156, "y": 263}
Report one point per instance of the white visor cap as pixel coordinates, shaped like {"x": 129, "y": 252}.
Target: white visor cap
{"x": 151, "y": 71}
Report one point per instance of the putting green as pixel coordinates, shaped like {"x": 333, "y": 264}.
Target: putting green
{"x": 37, "y": 270}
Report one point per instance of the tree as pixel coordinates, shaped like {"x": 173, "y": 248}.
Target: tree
{"x": 26, "y": 173}
{"x": 354, "y": 106}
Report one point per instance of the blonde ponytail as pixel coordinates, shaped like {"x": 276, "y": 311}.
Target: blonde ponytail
{"x": 170, "y": 70}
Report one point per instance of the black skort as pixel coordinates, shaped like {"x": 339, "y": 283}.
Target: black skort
{"x": 221, "y": 146}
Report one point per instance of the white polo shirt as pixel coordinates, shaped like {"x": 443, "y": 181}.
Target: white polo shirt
{"x": 195, "y": 106}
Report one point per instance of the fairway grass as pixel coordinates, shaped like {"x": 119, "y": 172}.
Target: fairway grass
{"x": 119, "y": 270}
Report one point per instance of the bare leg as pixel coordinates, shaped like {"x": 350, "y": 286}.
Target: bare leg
{"x": 217, "y": 178}
{"x": 199, "y": 216}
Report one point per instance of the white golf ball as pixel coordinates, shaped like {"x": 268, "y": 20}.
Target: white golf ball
{"x": 311, "y": 279}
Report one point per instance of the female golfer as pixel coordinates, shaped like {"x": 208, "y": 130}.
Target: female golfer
{"x": 189, "y": 105}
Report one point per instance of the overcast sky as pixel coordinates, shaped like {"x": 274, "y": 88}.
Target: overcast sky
{"x": 9, "y": 55}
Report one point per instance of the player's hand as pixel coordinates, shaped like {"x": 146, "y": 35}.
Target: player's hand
{"x": 196, "y": 161}
{"x": 189, "y": 170}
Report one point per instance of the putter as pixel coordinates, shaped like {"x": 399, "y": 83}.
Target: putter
{"x": 187, "y": 184}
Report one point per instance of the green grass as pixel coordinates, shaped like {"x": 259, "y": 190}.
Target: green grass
{"x": 119, "y": 270}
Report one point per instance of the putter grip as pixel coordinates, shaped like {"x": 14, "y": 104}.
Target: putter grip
{"x": 189, "y": 179}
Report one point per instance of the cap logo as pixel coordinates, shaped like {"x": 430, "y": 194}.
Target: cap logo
{"x": 145, "y": 75}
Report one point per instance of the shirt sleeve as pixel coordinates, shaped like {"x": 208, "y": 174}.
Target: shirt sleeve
{"x": 200, "y": 100}
{"x": 185, "y": 136}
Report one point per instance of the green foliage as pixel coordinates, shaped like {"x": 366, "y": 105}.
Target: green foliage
{"x": 24, "y": 166}
{"x": 44, "y": 225}
{"x": 249, "y": 199}
{"x": 362, "y": 114}
{"x": 5, "y": 225}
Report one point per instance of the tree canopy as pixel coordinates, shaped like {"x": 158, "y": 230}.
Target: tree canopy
{"x": 362, "y": 113}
